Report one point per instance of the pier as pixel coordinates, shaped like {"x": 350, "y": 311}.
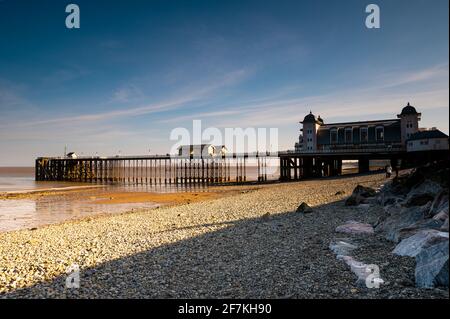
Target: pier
{"x": 297, "y": 166}
{"x": 232, "y": 168}
{"x": 153, "y": 169}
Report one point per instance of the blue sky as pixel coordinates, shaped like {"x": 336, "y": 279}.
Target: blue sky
{"x": 137, "y": 69}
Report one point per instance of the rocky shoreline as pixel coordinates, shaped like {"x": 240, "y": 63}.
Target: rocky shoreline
{"x": 254, "y": 244}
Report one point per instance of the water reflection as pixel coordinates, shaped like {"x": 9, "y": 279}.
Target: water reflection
{"x": 28, "y": 213}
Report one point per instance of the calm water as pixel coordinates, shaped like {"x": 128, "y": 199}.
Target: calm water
{"x": 43, "y": 210}
{"x": 21, "y": 179}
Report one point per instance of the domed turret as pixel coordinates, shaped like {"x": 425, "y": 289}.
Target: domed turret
{"x": 309, "y": 129}
{"x": 408, "y": 110}
{"x": 409, "y": 122}
{"x": 310, "y": 118}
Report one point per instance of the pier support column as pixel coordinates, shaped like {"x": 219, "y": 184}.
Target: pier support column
{"x": 307, "y": 167}
{"x": 339, "y": 167}
{"x": 363, "y": 165}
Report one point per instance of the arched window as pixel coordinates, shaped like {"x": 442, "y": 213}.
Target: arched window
{"x": 333, "y": 136}
{"x": 363, "y": 134}
{"x": 348, "y": 135}
{"x": 379, "y": 133}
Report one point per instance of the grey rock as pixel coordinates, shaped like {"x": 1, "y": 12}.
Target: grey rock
{"x": 425, "y": 224}
{"x": 442, "y": 215}
{"x": 360, "y": 195}
{"x": 444, "y": 227}
{"x": 432, "y": 266}
{"x": 353, "y": 200}
{"x": 418, "y": 199}
{"x": 390, "y": 201}
{"x": 423, "y": 193}
{"x": 413, "y": 245}
{"x": 364, "y": 191}
{"x": 440, "y": 203}
{"x": 399, "y": 218}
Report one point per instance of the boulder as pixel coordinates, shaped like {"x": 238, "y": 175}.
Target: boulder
{"x": 355, "y": 228}
{"x": 398, "y": 218}
{"x": 353, "y": 200}
{"x": 360, "y": 195}
{"x": 414, "y": 244}
{"x": 439, "y": 203}
{"x": 442, "y": 215}
{"x": 432, "y": 266}
{"x": 390, "y": 201}
{"x": 364, "y": 191}
{"x": 339, "y": 193}
{"x": 418, "y": 199}
{"x": 425, "y": 224}
{"x": 444, "y": 227}
{"x": 402, "y": 184}
{"x": 437, "y": 172}
{"x": 304, "y": 208}
{"x": 424, "y": 192}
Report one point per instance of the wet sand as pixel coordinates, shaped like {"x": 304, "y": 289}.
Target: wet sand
{"x": 37, "y": 208}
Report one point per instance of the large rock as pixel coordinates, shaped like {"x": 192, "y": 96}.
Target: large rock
{"x": 355, "y": 200}
{"x": 364, "y": 191}
{"x": 432, "y": 266}
{"x": 412, "y": 246}
{"x": 437, "y": 172}
{"x": 360, "y": 195}
{"x": 444, "y": 227}
{"x": 424, "y": 224}
{"x": 418, "y": 199}
{"x": 398, "y": 218}
{"x": 304, "y": 208}
{"x": 423, "y": 193}
{"x": 355, "y": 228}
{"x": 442, "y": 215}
{"x": 391, "y": 200}
{"x": 439, "y": 204}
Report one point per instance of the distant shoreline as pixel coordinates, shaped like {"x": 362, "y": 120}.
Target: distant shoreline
{"x": 45, "y": 191}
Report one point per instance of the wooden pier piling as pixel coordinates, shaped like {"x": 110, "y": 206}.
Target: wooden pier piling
{"x": 150, "y": 170}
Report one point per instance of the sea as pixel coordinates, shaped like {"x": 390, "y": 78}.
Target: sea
{"x": 22, "y": 212}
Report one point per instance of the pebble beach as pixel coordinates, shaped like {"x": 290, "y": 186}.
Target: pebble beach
{"x": 249, "y": 244}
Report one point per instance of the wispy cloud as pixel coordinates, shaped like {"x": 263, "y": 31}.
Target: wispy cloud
{"x": 125, "y": 94}
{"x": 192, "y": 94}
{"x": 392, "y": 79}
{"x": 427, "y": 88}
